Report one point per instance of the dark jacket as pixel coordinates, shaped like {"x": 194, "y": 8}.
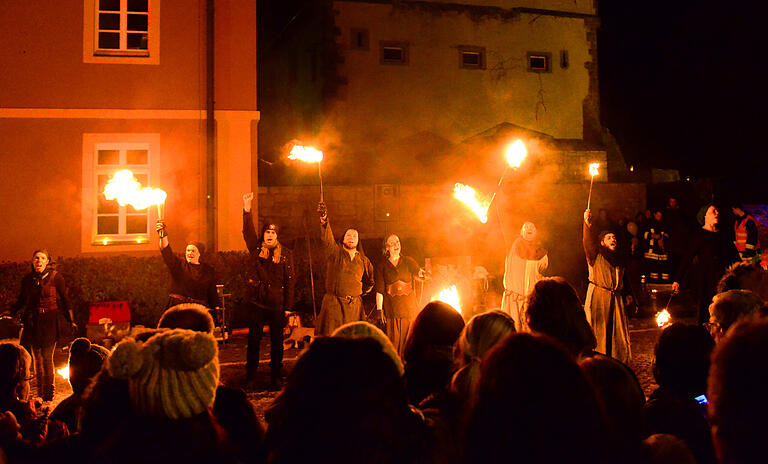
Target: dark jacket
{"x": 38, "y": 290}
{"x": 194, "y": 281}
{"x": 272, "y": 283}
{"x": 345, "y": 277}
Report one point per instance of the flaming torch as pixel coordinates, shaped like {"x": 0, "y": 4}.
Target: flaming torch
{"x": 124, "y": 188}
{"x": 593, "y": 171}
{"x": 449, "y": 296}
{"x": 515, "y": 155}
{"x": 663, "y": 318}
{"x": 468, "y": 196}
{"x": 309, "y": 155}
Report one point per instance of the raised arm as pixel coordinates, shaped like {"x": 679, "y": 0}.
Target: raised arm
{"x": 252, "y": 240}
{"x": 588, "y": 238}
{"x": 326, "y": 234}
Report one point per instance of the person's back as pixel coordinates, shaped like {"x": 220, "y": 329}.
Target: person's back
{"x": 736, "y": 387}
{"x": 533, "y": 404}
{"x": 344, "y": 402}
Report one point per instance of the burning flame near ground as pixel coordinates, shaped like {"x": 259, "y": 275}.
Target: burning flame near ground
{"x": 124, "y": 188}
{"x": 468, "y": 196}
{"x": 308, "y": 154}
{"x": 516, "y": 153}
{"x": 64, "y": 372}
{"x": 663, "y": 318}
{"x": 450, "y": 296}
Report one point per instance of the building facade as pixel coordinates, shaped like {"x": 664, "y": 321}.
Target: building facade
{"x": 165, "y": 88}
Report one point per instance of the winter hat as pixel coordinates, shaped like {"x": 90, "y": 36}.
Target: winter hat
{"x": 362, "y": 329}
{"x": 85, "y": 361}
{"x": 174, "y": 374}
{"x": 190, "y": 316}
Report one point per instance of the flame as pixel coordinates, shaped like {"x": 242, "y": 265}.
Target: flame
{"x": 593, "y": 169}
{"x": 468, "y": 196}
{"x": 516, "y": 153}
{"x": 450, "y": 296}
{"x": 308, "y": 154}
{"x": 124, "y": 188}
{"x": 64, "y": 372}
{"x": 663, "y": 318}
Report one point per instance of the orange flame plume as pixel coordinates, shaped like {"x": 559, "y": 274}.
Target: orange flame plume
{"x": 663, "y": 318}
{"x": 450, "y": 296}
{"x": 64, "y": 372}
{"x": 594, "y": 169}
{"x": 516, "y": 153}
{"x": 468, "y": 196}
{"x": 124, "y": 188}
{"x": 307, "y": 154}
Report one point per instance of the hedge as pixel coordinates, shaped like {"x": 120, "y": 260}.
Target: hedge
{"x": 145, "y": 282}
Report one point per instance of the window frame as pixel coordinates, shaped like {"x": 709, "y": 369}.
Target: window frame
{"x": 467, "y": 49}
{"x": 91, "y": 240}
{"x": 546, "y": 55}
{"x": 404, "y": 46}
{"x": 93, "y": 54}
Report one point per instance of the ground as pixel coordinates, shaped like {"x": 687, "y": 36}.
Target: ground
{"x": 643, "y": 336}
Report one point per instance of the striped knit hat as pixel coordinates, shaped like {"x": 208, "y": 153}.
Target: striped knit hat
{"x": 174, "y": 374}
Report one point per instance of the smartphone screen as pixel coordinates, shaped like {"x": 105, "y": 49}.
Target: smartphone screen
{"x": 703, "y": 403}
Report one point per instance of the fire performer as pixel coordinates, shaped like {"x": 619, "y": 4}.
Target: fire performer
{"x": 348, "y": 276}
{"x": 713, "y": 252}
{"x": 42, "y": 298}
{"x": 522, "y": 269}
{"x": 604, "y": 305}
{"x": 191, "y": 280}
{"x": 395, "y": 296}
{"x": 272, "y": 293}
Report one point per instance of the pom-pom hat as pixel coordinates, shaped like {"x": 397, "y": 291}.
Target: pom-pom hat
{"x": 174, "y": 374}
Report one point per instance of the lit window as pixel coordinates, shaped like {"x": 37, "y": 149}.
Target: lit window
{"x": 394, "y": 52}
{"x": 471, "y": 57}
{"x": 121, "y": 31}
{"x": 106, "y": 224}
{"x": 118, "y": 223}
{"x": 539, "y": 62}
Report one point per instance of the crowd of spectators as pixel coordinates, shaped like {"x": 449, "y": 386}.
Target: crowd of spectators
{"x": 473, "y": 392}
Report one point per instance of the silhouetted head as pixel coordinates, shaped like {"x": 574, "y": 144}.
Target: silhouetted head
{"x": 15, "y": 372}
{"x": 682, "y": 357}
{"x": 191, "y": 316}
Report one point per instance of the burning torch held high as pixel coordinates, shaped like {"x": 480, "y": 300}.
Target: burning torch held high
{"x": 309, "y": 155}
{"x": 469, "y": 197}
{"x": 126, "y": 190}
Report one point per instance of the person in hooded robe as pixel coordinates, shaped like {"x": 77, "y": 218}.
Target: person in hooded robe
{"x": 348, "y": 276}
{"x": 604, "y": 305}
{"x": 272, "y": 286}
{"x": 525, "y": 262}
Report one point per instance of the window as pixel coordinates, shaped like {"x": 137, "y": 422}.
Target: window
{"x": 358, "y": 39}
{"x": 107, "y": 225}
{"x": 394, "y": 52}
{"x": 471, "y": 57}
{"x": 539, "y": 62}
{"x": 121, "y": 31}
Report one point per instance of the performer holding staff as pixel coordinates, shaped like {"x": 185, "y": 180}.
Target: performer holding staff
{"x": 604, "y": 305}
{"x": 42, "y": 298}
{"x": 272, "y": 293}
{"x": 395, "y": 296}
{"x": 348, "y": 276}
{"x": 191, "y": 280}
{"x": 522, "y": 269}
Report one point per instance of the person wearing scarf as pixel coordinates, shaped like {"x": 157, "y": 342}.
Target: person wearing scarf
{"x": 604, "y": 305}
{"x": 42, "y": 299}
{"x": 522, "y": 269}
{"x": 272, "y": 284}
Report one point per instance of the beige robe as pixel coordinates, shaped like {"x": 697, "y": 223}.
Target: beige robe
{"x": 520, "y": 275}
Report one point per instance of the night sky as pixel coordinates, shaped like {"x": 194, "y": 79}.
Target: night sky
{"x": 684, "y": 84}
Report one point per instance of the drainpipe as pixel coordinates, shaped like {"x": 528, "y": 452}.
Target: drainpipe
{"x": 210, "y": 132}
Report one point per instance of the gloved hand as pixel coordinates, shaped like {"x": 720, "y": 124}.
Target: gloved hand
{"x": 161, "y": 229}
{"x": 323, "y": 210}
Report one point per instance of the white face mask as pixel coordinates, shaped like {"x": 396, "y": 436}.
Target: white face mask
{"x": 192, "y": 254}
{"x": 40, "y": 261}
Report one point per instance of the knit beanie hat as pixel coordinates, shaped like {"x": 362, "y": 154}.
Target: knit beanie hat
{"x": 362, "y": 329}
{"x": 85, "y": 361}
{"x": 174, "y": 374}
